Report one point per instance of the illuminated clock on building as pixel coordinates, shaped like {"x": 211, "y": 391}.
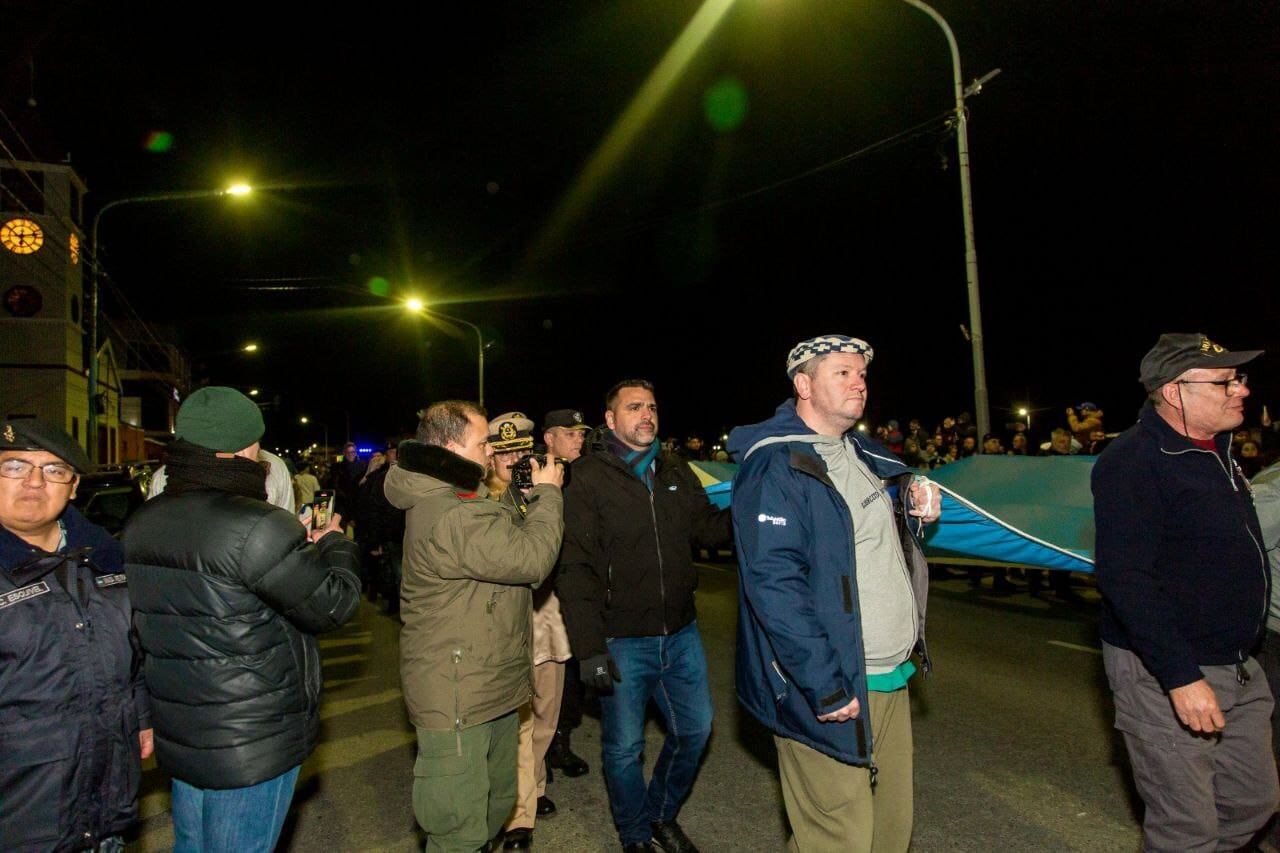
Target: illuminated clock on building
{"x": 21, "y": 236}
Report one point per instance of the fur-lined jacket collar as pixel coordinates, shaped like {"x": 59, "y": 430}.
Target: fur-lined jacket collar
{"x": 461, "y": 475}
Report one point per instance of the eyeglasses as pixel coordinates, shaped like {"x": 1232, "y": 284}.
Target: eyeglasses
{"x": 20, "y": 469}
{"x": 1235, "y": 383}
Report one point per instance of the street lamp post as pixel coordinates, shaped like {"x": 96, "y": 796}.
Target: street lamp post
{"x": 419, "y": 307}
{"x": 980, "y": 399}
{"x": 91, "y": 426}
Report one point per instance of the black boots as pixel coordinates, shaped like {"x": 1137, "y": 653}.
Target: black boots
{"x": 561, "y": 757}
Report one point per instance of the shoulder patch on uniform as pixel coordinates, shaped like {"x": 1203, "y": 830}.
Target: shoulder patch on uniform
{"x": 110, "y": 580}
{"x": 23, "y": 593}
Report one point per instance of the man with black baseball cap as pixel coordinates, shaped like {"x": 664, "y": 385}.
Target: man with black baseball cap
{"x": 1185, "y": 589}
{"x": 73, "y": 706}
{"x": 564, "y": 431}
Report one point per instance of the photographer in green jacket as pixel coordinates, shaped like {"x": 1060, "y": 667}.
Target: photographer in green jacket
{"x": 466, "y": 665}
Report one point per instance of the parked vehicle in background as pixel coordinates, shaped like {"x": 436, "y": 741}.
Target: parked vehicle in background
{"x": 108, "y": 496}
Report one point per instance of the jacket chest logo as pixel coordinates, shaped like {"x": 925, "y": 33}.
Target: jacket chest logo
{"x": 22, "y": 594}
{"x": 109, "y": 580}
{"x": 869, "y": 499}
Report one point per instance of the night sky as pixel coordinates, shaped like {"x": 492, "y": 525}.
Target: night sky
{"x": 1123, "y": 165}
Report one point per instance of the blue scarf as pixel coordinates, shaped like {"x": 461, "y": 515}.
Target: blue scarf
{"x": 639, "y": 461}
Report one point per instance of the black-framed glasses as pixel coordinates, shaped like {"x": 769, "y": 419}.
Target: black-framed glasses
{"x": 20, "y": 469}
{"x": 1235, "y": 383}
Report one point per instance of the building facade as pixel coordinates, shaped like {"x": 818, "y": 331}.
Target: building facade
{"x": 44, "y": 273}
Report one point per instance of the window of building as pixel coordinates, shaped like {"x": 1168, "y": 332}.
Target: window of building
{"x": 22, "y": 191}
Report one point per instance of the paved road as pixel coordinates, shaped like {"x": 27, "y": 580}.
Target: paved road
{"x": 1014, "y": 748}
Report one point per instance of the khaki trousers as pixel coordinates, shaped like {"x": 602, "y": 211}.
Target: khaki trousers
{"x": 537, "y": 727}
{"x": 831, "y": 805}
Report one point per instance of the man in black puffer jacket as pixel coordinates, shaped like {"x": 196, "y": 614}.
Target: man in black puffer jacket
{"x": 228, "y": 592}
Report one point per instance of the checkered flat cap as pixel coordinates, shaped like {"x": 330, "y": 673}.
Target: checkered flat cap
{"x": 824, "y": 344}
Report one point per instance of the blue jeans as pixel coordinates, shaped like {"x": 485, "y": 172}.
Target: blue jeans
{"x": 244, "y": 820}
{"x": 671, "y": 670}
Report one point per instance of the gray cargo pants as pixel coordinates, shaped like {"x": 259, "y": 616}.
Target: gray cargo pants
{"x": 1203, "y": 793}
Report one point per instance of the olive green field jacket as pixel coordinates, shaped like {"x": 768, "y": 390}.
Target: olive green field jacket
{"x": 470, "y": 565}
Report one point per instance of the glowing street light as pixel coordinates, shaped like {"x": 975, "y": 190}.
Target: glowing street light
{"x": 416, "y": 306}
{"x": 249, "y": 348}
{"x": 253, "y": 392}
{"x": 91, "y": 432}
{"x": 303, "y": 420}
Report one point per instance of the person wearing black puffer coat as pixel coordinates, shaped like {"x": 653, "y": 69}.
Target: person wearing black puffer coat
{"x": 228, "y": 592}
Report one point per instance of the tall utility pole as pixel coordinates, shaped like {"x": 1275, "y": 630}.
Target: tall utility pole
{"x": 981, "y": 403}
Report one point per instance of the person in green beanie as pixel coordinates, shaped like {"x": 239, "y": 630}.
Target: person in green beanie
{"x": 229, "y": 592}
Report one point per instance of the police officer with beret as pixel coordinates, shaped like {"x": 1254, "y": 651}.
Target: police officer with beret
{"x": 74, "y": 713}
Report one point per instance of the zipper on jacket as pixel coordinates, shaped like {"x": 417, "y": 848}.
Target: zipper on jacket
{"x": 1214, "y": 453}
{"x": 608, "y": 589}
{"x": 1261, "y": 554}
{"x": 457, "y": 702}
{"x": 662, "y": 586}
{"x": 1266, "y": 582}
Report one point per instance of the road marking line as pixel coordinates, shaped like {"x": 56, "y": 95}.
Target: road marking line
{"x": 1075, "y": 647}
{"x": 337, "y": 707}
{"x": 345, "y": 659}
{"x": 366, "y": 640}
{"x": 348, "y": 751}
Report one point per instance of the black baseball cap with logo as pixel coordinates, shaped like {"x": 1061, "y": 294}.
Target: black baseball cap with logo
{"x": 1177, "y": 352}
{"x": 567, "y": 418}
{"x": 35, "y": 434}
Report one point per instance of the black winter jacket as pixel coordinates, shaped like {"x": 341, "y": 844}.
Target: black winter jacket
{"x": 1183, "y": 577}
{"x": 626, "y": 569}
{"x": 377, "y": 521}
{"x": 71, "y": 697}
{"x": 228, "y": 593}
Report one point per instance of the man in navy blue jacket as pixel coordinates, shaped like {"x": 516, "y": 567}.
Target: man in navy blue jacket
{"x": 1185, "y": 589}
{"x": 831, "y": 602}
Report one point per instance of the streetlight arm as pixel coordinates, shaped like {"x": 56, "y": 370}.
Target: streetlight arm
{"x": 951, "y": 43}
{"x": 91, "y": 425}
{"x": 479, "y": 344}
